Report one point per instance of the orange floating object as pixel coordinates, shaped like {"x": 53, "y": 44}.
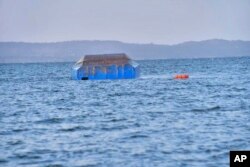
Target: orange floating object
{"x": 181, "y": 76}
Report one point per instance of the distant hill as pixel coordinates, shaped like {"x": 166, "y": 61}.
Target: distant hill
{"x": 19, "y": 52}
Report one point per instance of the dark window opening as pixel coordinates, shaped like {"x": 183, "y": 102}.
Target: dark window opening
{"x": 85, "y": 78}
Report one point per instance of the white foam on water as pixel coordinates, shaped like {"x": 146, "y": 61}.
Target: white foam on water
{"x": 156, "y": 77}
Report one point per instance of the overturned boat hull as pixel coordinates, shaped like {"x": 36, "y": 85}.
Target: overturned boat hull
{"x": 98, "y": 67}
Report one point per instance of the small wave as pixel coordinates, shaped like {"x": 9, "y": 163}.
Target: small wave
{"x": 17, "y": 142}
{"x": 206, "y": 109}
{"x": 50, "y": 120}
{"x": 20, "y": 130}
{"x": 72, "y": 129}
{"x": 137, "y": 136}
{"x": 28, "y": 155}
{"x": 54, "y": 165}
{"x": 121, "y": 94}
{"x": 237, "y": 89}
{"x": 121, "y": 127}
{"x": 3, "y": 161}
{"x": 115, "y": 120}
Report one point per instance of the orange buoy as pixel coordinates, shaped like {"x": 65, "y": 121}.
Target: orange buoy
{"x": 181, "y": 76}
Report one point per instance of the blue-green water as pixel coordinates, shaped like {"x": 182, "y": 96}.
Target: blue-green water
{"x": 47, "y": 119}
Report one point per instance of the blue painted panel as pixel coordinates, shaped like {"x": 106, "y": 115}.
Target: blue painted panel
{"x": 112, "y": 72}
{"x": 99, "y": 73}
{"x": 120, "y": 72}
{"x": 91, "y": 72}
{"x": 128, "y": 71}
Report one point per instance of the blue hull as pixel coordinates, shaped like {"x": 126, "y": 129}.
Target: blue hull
{"x": 100, "y": 73}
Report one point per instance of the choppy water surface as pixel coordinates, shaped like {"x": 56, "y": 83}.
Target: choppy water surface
{"x": 47, "y": 119}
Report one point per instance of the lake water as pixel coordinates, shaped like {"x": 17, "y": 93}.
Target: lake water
{"x": 47, "y": 119}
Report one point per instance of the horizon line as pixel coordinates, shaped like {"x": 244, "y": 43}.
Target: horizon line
{"x": 139, "y": 43}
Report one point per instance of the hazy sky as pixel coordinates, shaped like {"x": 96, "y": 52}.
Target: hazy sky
{"x": 142, "y": 21}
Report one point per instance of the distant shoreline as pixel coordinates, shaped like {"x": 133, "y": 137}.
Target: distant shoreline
{"x": 71, "y": 51}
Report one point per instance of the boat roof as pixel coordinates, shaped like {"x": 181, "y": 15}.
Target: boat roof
{"x": 105, "y": 59}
